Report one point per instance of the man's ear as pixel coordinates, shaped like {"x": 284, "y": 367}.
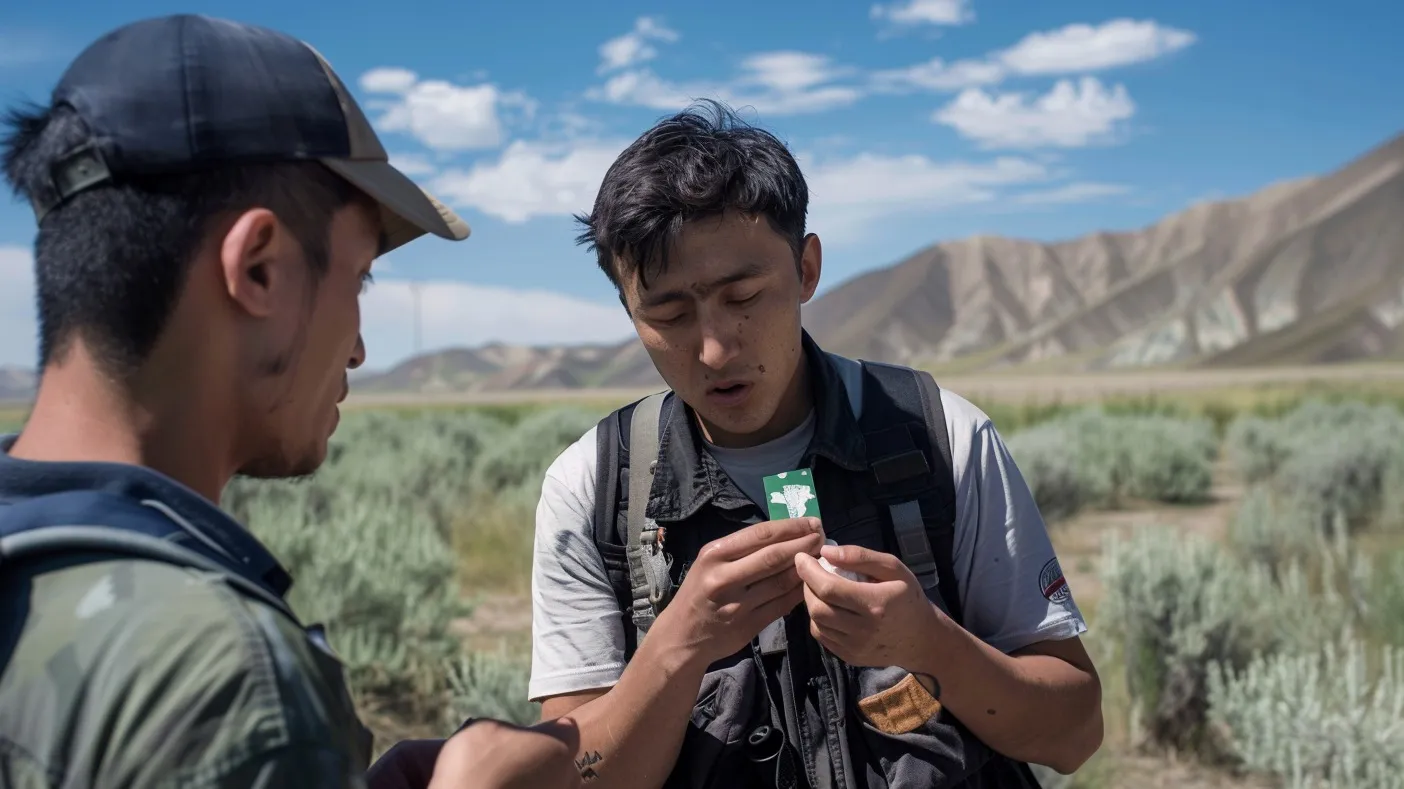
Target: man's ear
{"x": 254, "y": 262}
{"x": 811, "y": 263}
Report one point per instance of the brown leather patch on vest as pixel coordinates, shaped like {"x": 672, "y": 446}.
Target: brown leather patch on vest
{"x": 901, "y": 708}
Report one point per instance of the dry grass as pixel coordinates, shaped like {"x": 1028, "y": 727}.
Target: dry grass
{"x": 493, "y": 545}
{"x": 1224, "y": 385}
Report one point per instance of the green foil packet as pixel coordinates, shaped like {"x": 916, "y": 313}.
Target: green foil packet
{"x": 791, "y": 494}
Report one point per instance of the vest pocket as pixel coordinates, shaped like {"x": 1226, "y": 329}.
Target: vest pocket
{"x": 712, "y": 753}
{"x": 908, "y": 739}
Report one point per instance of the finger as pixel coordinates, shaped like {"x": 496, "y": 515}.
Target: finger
{"x": 835, "y": 590}
{"x": 752, "y": 538}
{"x": 779, "y": 607}
{"x": 875, "y": 564}
{"x": 834, "y": 620}
{"x": 860, "y": 597}
{"x": 836, "y": 643}
{"x": 767, "y": 561}
{"x": 767, "y": 589}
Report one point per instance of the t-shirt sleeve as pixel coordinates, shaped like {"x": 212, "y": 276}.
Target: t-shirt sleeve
{"x": 1013, "y": 590}
{"x": 577, "y": 637}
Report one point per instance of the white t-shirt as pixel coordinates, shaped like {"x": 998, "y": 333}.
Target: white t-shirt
{"x": 1012, "y": 590}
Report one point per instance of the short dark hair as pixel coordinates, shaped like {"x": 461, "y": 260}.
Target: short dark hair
{"x": 691, "y": 165}
{"x": 111, "y": 261}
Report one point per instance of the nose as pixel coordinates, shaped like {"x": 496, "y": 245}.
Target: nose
{"x": 358, "y": 354}
{"x": 720, "y": 342}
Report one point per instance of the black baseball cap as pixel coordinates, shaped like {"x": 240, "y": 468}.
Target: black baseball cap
{"x": 179, "y": 93}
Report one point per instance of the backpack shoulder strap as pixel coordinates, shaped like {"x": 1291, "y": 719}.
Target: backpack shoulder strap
{"x": 102, "y": 523}
{"x": 648, "y": 565}
{"x": 648, "y": 585}
{"x": 909, "y": 454}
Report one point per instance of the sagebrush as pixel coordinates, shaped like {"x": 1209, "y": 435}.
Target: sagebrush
{"x": 370, "y": 538}
{"x": 1093, "y": 458}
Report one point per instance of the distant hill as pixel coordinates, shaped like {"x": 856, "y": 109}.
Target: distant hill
{"x": 16, "y": 384}
{"x": 499, "y": 367}
{"x": 1309, "y": 271}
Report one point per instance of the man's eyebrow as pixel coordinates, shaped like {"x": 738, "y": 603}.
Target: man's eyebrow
{"x": 702, "y": 289}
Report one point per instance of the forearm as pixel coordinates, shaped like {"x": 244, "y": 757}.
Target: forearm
{"x": 631, "y": 736}
{"x": 1035, "y": 708}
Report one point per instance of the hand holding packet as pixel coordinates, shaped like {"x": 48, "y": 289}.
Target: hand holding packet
{"x": 792, "y": 494}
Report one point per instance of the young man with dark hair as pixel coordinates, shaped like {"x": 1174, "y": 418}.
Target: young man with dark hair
{"x": 937, "y": 643}
{"x": 209, "y": 201}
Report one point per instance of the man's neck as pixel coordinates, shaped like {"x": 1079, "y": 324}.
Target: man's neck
{"x": 80, "y": 415}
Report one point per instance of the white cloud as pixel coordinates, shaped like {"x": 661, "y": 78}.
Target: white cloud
{"x": 1072, "y": 49}
{"x": 456, "y": 314}
{"x": 1080, "y": 48}
{"x": 388, "y": 80}
{"x": 440, "y": 114}
{"x": 849, "y": 194}
{"x": 532, "y": 179}
{"x": 633, "y": 47}
{"x": 1071, "y": 115}
{"x": 1078, "y": 192}
{"x": 937, "y": 75}
{"x": 929, "y": 12}
{"x": 19, "y": 321}
{"x": 774, "y": 83}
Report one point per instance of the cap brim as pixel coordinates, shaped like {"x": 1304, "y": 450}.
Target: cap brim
{"x": 407, "y": 210}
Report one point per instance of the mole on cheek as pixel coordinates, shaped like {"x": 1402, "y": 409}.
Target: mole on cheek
{"x": 762, "y": 369}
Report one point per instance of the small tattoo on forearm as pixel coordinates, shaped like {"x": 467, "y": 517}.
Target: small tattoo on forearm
{"x": 586, "y": 763}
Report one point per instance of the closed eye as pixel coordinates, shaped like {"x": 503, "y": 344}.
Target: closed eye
{"x": 669, "y": 321}
{"x": 367, "y": 279}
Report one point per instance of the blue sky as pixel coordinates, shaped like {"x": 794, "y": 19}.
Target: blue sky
{"x": 916, "y": 121}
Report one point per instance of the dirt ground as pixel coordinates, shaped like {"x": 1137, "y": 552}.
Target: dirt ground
{"x": 506, "y": 621}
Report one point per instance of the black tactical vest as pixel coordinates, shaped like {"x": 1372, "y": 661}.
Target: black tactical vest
{"x": 783, "y": 712}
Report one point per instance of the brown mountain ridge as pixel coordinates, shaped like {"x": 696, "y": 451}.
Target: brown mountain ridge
{"x": 1309, "y": 271}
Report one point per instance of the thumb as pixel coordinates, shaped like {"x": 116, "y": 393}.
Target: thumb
{"x": 875, "y": 564}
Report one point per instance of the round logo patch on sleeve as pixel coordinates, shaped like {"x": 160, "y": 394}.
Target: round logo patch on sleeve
{"x": 1052, "y": 583}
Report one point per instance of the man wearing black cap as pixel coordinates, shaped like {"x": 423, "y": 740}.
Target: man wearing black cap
{"x": 209, "y": 201}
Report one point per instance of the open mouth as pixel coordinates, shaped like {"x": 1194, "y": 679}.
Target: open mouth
{"x": 730, "y": 391}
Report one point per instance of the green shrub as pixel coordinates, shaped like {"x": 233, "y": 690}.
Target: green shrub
{"x": 1327, "y": 458}
{"x": 1266, "y": 532}
{"x": 490, "y": 685}
{"x": 1179, "y": 603}
{"x": 1255, "y": 447}
{"x": 1386, "y": 613}
{"x": 1315, "y": 718}
{"x": 379, "y": 577}
{"x": 514, "y": 466}
{"x": 1062, "y": 482}
{"x": 1176, "y": 603}
{"x": 1168, "y": 459}
{"x": 1090, "y": 458}
{"x": 369, "y": 542}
